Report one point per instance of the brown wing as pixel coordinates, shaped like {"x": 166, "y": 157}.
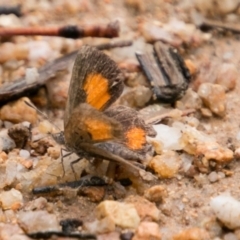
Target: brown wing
{"x": 135, "y": 131}
{"x": 96, "y": 80}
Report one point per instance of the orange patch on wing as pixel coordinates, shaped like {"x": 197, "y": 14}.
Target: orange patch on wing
{"x": 136, "y": 138}
{"x": 96, "y": 88}
{"x": 98, "y": 129}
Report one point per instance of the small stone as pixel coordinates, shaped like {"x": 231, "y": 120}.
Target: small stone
{"x": 103, "y": 225}
{"x": 95, "y": 194}
{"x": 206, "y": 112}
{"x": 230, "y": 236}
{"x": 126, "y": 235}
{"x": 37, "y": 204}
{"x": 54, "y": 152}
{"x": 190, "y": 100}
{"x": 168, "y": 137}
{"x": 227, "y": 210}
{"x": 214, "y": 97}
{"x": 13, "y": 112}
{"x": 124, "y": 215}
{"x": 24, "y": 153}
{"x": 57, "y": 90}
{"x": 31, "y": 75}
{"x": 11, "y": 199}
{"x": 192, "y": 234}
{"x": 3, "y": 157}
{"x": 213, "y": 177}
{"x": 38, "y": 221}
{"x": 213, "y": 151}
{"x": 237, "y": 153}
{"x": 144, "y": 208}
{"x": 137, "y": 6}
{"x": 12, "y": 231}
{"x": 6, "y": 143}
{"x": 136, "y": 97}
{"x": 27, "y": 163}
{"x": 165, "y": 165}
{"x": 191, "y": 66}
{"x": 147, "y": 231}
{"x": 227, "y": 76}
{"x": 156, "y": 193}
{"x": 108, "y": 236}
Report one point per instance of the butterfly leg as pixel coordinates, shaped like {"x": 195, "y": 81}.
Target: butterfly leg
{"x": 62, "y": 157}
{"x": 72, "y": 163}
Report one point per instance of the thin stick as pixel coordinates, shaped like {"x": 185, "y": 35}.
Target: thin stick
{"x": 210, "y": 24}
{"x": 108, "y": 31}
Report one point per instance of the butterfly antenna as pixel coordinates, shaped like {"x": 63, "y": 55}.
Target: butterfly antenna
{"x": 43, "y": 114}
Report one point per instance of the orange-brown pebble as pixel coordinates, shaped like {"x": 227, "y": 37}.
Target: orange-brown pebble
{"x": 156, "y": 193}
{"x": 3, "y": 156}
{"x": 192, "y": 234}
{"x": 145, "y": 208}
{"x": 18, "y": 111}
{"x": 191, "y": 66}
{"x": 54, "y": 152}
{"x": 147, "y": 231}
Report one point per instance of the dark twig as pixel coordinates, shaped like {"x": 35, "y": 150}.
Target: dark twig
{"x": 47, "y": 235}
{"x": 83, "y": 182}
{"x": 109, "y": 31}
{"x": 207, "y": 25}
{"x": 16, "y": 10}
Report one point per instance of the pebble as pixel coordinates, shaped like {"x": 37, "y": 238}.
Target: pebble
{"x": 94, "y": 194}
{"x": 227, "y": 76}
{"x": 38, "y": 221}
{"x": 24, "y": 153}
{"x": 192, "y": 234}
{"x": 218, "y": 7}
{"x": 20, "y": 133}
{"x": 103, "y": 225}
{"x": 108, "y": 236}
{"x": 54, "y": 152}
{"x": 213, "y": 177}
{"x": 145, "y": 208}
{"x": 6, "y": 143}
{"x": 227, "y": 210}
{"x": 11, "y": 51}
{"x": 13, "y": 112}
{"x": 57, "y": 90}
{"x": 191, "y": 66}
{"x": 3, "y": 157}
{"x": 147, "y": 231}
{"x": 167, "y": 138}
{"x": 190, "y": 100}
{"x": 152, "y": 33}
{"x": 10, "y": 20}
{"x": 155, "y": 193}
{"x": 237, "y": 153}
{"x": 230, "y": 236}
{"x": 122, "y": 214}
{"x": 37, "y": 204}
{"x": 31, "y": 75}
{"x": 206, "y": 112}
{"x": 136, "y": 97}
{"x": 213, "y": 151}
{"x": 165, "y": 165}
{"x": 12, "y": 232}
{"x": 214, "y": 97}
{"x": 11, "y": 199}
{"x": 199, "y": 144}
{"x": 39, "y": 50}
